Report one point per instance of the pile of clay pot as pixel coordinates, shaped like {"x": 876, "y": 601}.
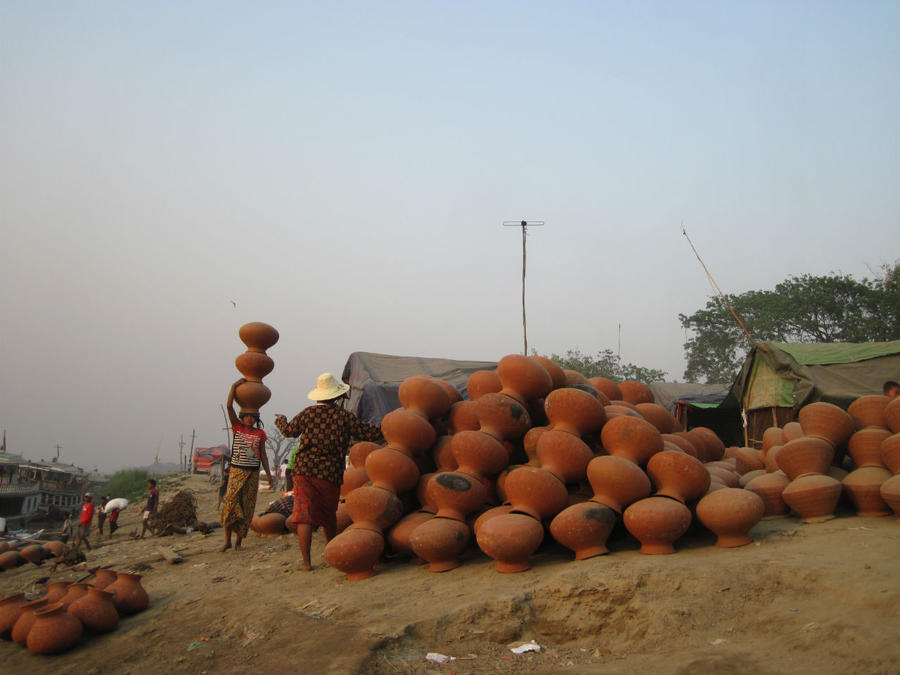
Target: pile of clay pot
{"x": 795, "y": 469}
{"x": 58, "y": 620}
{"x": 535, "y": 449}
{"x": 16, "y": 554}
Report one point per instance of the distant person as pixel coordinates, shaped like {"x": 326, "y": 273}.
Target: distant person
{"x": 891, "y": 389}
{"x": 113, "y": 521}
{"x": 84, "y": 525}
{"x": 318, "y": 468}
{"x": 248, "y": 452}
{"x": 101, "y": 515}
{"x": 66, "y": 530}
{"x": 152, "y": 504}
{"x": 284, "y": 475}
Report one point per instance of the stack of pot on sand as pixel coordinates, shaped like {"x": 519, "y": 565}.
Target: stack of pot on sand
{"x": 890, "y": 455}
{"x": 863, "y": 485}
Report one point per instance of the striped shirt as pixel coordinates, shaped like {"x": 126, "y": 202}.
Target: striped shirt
{"x": 247, "y": 446}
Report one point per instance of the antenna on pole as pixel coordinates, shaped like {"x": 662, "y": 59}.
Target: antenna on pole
{"x": 524, "y": 225}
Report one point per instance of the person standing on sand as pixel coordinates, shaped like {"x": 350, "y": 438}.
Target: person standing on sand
{"x": 325, "y": 430}
{"x": 66, "y": 530}
{"x": 101, "y": 516}
{"x": 248, "y": 451}
{"x": 152, "y": 503}
{"x": 84, "y": 525}
{"x": 113, "y": 521}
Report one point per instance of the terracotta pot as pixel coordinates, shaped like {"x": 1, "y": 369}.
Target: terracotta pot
{"x": 810, "y": 454}
{"x": 659, "y": 417}
{"x": 486, "y": 515}
{"x": 407, "y": 432}
{"x": 251, "y": 396}
{"x": 359, "y": 451}
{"x": 574, "y": 378}
{"x": 258, "y": 335}
{"x": 96, "y": 611}
{"x": 10, "y": 608}
{"x": 463, "y": 417}
{"x": 501, "y": 416}
{"x": 890, "y": 453}
{"x": 613, "y": 410}
{"x": 440, "y": 541}
{"x": 636, "y": 392}
{"x": 373, "y": 507}
{"x": 892, "y": 415}
{"x": 354, "y": 478}
{"x": 584, "y": 528}
{"x": 529, "y": 444}
{"x": 868, "y": 411}
{"x": 791, "y": 431}
{"x": 398, "y": 536}
{"x": 11, "y": 560}
{"x": 715, "y": 483}
{"x": 23, "y": 624}
{"x": 483, "y": 382}
{"x": 392, "y": 470}
{"x": 510, "y": 539}
{"x": 813, "y": 497}
{"x": 750, "y": 475}
{"x": 34, "y": 553}
{"x": 631, "y": 438}
{"x": 826, "y": 421}
{"x": 680, "y": 439}
{"x": 709, "y": 446}
{"x": 890, "y": 493}
{"x": 574, "y": 411}
{"x": 355, "y": 552}
{"x": 343, "y": 519}
{"x": 73, "y": 592}
{"x": 769, "y": 487}
{"x": 657, "y": 522}
{"x": 57, "y": 548}
{"x": 268, "y": 524}
{"x": 617, "y": 482}
{"x": 748, "y": 460}
{"x": 442, "y": 454}
{"x": 4, "y": 547}
{"x": 557, "y": 376}
{"x": 455, "y": 494}
{"x": 863, "y": 486}
{"x": 865, "y": 446}
{"x": 478, "y": 454}
{"x": 56, "y": 591}
{"x": 730, "y": 514}
{"x": 523, "y": 378}
{"x": 254, "y": 365}
{"x": 725, "y": 475}
{"x": 102, "y": 578}
{"x": 424, "y": 396}
{"x": 606, "y": 387}
{"x": 53, "y": 631}
{"x": 678, "y": 475}
{"x": 771, "y": 437}
{"x": 770, "y": 459}
{"x": 535, "y": 492}
{"x": 130, "y": 596}
{"x": 564, "y": 455}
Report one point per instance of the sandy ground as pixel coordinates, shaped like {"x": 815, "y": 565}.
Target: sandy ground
{"x": 818, "y": 598}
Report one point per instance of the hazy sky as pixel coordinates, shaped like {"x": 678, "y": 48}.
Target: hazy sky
{"x": 341, "y": 170}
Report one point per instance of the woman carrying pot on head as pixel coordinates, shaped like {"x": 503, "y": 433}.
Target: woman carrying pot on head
{"x": 317, "y": 466}
{"x": 248, "y": 451}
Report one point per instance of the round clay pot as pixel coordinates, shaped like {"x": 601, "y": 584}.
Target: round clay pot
{"x": 510, "y": 539}
{"x": 769, "y": 487}
{"x": 810, "y": 454}
{"x": 373, "y": 507}
{"x": 10, "y": 608}
{"x": 96, "y": 611}
{"x": 73, "y": 592}
{"x": 680, "y": 439}
{"x": 813, "y": 497}
{"x": 392, "y": 470}
{"x": 770, "y": 459}
{"x": 771, "y": 437}
{"x": 20, "y": 629}
{"x": 455, "y": 494}
{"x": 631, "y": 438}
{"x": 440, "y": 541}
{"x": 254, "y": 365}
{"x": 574, "y": 411}
{"x": 584, "y": 528}
{"x": 657, "y": 522}
{"x": 826, "y": 421}
{"x": 613, "y": 410}
{"x": 442, "y": 454}
{"x": 268, "y": 524}
{"x": 563, "y": 454}
{"x": 463, "y": 417}
{"x": 636, "y": 392}
{"x": 354, "y": 478}
{"x": 501, "y": 416}
{"x": 57, "y": 548}
{"x": 709, "y": 446}
{"x": 102, "y": 578}
{"x": 535, "y": 492}
{"x": 678, "y": 475}
{"x": 865, "y": 446}
{"x": 523, "y": 378}
{"x": 557, "y": 376}
{"x": 11, "y": 560}
{"x": 359, "y": 451}
{"x": 54, "y": 630}
{"x": 890, "y": 453}
{"x": 730, "y": 514}
{"x": 750, "y": 475}
{"x": 355, "y": 552}
{"x": 863, "y": 486}
{"x": 890, "y": 493}
{"x": 488, "y": 514}
{"x": 478, "y": 454}
{"x": 34, "y": 553}
{"x": 130, "y": 596}
{"x": 606, "y": 387}
{"x": 483, "y": 382}
{"x": 407, "y": 432}
{"x": 868, "y": 411}
{"x": 658, "y": 416}
{"x": 424, "y": 396}
{"x": 398, "y": 536}
{"x": 56, "y": 591}
{"x": 791, "y": 431}
{"x": 529, "y": 444}
{"x": 251, "y": 396}
{"x": 574, "y": 378}
{"x": 4, "y": 547}
{"x": 748, "y": 460}
{"x": 892, "y": 415}
{"x": 725, "y": 475}
{"x": 258, "y": 335}
{"x": 617, "y": 482}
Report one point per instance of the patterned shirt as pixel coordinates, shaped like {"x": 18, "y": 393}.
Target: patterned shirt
{"x": 247, "y": 446}
{"x": 326, "y": 432}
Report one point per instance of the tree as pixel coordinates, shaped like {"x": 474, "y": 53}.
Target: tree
{"x": 606, "y": 364}
{"x": 832, "y": 308}
{"x": 278, "y": 446}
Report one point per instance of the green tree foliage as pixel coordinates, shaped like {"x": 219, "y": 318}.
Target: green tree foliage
{"x": 833, "y": 308}
{"x": 127, "y": 483}
{"x": 606, "y": 364}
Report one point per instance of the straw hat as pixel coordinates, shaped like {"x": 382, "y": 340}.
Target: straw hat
{"x": 327, "y": 388}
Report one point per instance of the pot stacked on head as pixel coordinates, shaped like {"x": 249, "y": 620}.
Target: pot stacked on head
{"x": 890, "y": 456}
{"x": 391, "y": 470}
{"x": 254, "y": 364}
{"x": 863, "y": 485}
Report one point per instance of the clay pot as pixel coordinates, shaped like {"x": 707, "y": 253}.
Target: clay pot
{"x": 258, "y": 336}
{"x": 391, "y": 470}
{"x": 407, "y": 432}
{"x": 11, "y": 560}
{"x": 631, "y": 438}
{"x": 10, "y": 608}
{"x": 890, "y": 453}
{"x": 483, "y": 382}
{"x": 440, "y": 541}
{"x": 463, "y": 417}
{"x": 890, "y": 493}
{"x": 251, "y": 396}
{"x": 617, "y": 482}
{"x": 354, "y": 478}
{"x": 791, "y": 431}
{"x": 750, "y": 475}
{"x": 56, "y": 591}
{"x": 73, "y": 592}
{"x": 584, "y": 528}
{"x": 523, "y": 378}
{"x": 442, "y": 454}
{"x": 865, "y": 446}
{"x": 478, "y": 454}
{"x": 373, "y": 507}
{"x": 510, "y": 539}
{"x": 341, "y": 515}
{"x": 557, "y": 376}
{"x": 606, "y": 387}
{"x": 678, "y": 475}
{"x": 57, "y": 548}
{"x": 501, "y": 416}
{"x": 709, "y": 446}
{"x": 770, "y": 459}
{"x": 748, "y": 460}
{"x": 892, "y": 415}
{"x": 130, "y": 596}
{"x": 563, "y": 454}
{"x": 485, "y": 516}
{"x": 680, "y": 439}
{"x": 102, "y": 579}
{"x": 20, "y": 629}
{"x": 455, "y": 494}
{"x": 359, "y": 451}
{"x": 826, "y": 421}
{"x": 96, "y": 611}
{"x": 529, "y": 444}
{"x": 424, "y": 396}
{"x": 574, "y": 411}
{"x": 657, "y": 522}
{"x": 34, "y": 553}
{"x": 868, "y": 411}
{"x": 725, "y": 475}
{"x": 355, "y": 552}
{"x": 268, "y": 524}
{"x": 715, "y": 483}
{"x": 813, "y": 497}
{"x": 730, "y": 514}
{"x": 54, "y": 630}
{"x": 658, "y": 416}
{"x": 771, "y": 437}
{"x": 254, "y": 365}
{"x": 636, "y": 392}
{"x": 398, "y": 536}
{"x": 863, "y": 486}
{"x": 4, "y": 547}
{"x": 769, "y": 487}
{"x": 810, "y": 454}
{"x": 535, "y": 492}
{"x": 574, "y": 378}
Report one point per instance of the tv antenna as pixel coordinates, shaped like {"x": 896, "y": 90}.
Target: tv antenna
{"x": 524, "y": 224}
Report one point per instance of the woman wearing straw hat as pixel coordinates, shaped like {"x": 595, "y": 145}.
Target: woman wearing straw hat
{"x": 317, "y": 464}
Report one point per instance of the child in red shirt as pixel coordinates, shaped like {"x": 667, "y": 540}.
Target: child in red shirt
{"x": 87, "y": 517}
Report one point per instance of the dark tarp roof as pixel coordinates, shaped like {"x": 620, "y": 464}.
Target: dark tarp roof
{"x": 703, "y": 395}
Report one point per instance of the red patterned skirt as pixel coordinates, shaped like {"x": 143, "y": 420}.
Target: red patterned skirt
{"x": 315, "y": 501}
